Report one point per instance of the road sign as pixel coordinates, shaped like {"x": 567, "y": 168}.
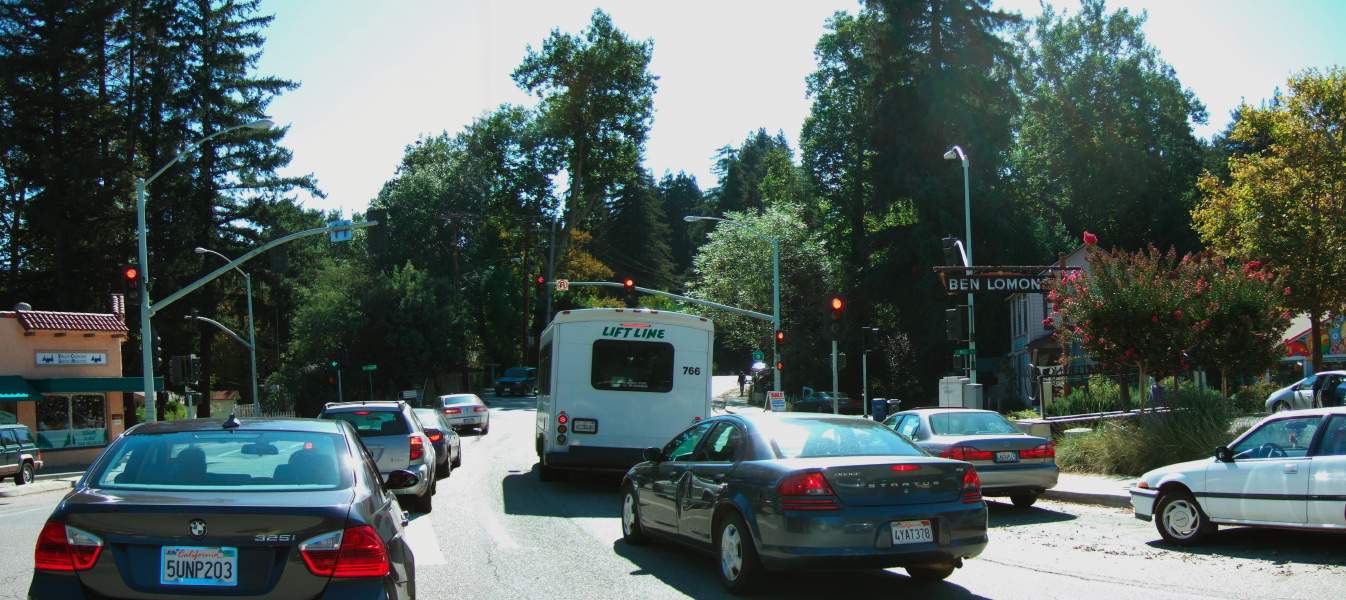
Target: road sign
{"x": 777, "y": 401}
{"x": 340, "y": 235}
{"x": 408, "y": 394}
{"x": 964, "y": 351}
{"x": 369, "y": 367}
{"x": 757, "y": 356}
{"x": 562, "y": 285}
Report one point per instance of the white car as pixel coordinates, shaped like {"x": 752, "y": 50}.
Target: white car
{"x": 1287, "y": 472}
{"x": 1300, "y": 393}
{"x": 466, "y": 411}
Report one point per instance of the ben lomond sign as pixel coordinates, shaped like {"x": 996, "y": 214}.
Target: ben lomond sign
{"x": 994, "y": 283}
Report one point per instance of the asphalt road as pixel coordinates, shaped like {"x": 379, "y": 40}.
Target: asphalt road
{"x": 497, "y": 532}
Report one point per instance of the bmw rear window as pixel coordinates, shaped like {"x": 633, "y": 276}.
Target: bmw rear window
{"x": 226, "y": 461}
{"x": 372, "y": 423}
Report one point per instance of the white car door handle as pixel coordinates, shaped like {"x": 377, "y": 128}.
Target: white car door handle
{"x": 1291, "y": 468}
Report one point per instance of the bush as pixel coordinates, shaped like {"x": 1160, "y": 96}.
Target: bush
{"x": 1252, "y": 399}
{"x": 1197, "y": 423}
{"x": 1100, "y": 395}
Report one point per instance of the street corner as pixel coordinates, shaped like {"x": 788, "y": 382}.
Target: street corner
{"x": 36, "y": 487}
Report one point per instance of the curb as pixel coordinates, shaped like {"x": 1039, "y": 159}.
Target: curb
{"x": 1087, "y": 498}
{"x": 36, "y": 487}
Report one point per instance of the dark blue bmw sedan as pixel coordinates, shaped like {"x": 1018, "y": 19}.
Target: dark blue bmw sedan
{"x": 797, "y": 492}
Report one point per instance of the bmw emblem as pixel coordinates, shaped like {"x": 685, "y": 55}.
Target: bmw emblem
{"x": 197, "y": 528}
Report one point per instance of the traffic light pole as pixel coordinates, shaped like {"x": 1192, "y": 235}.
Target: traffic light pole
{"x": 836, "y": 404}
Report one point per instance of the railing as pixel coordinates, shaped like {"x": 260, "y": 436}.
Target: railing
{"x": 251, "y": 411}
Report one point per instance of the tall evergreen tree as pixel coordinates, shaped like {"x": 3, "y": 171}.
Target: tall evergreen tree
{"x": 741, "y": 171}
{"x": 634, "y": 239}
{"x": 680, "y": 197}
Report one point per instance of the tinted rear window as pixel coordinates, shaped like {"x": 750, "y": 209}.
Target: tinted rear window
{"x": 24, "y": 436}
{"x": 954, "y": 423}
{"x": 373, "y": 423}
{"x": 632, "y": 366}
{"x": 809, "y": 438}
{"x": 220, "y": 460}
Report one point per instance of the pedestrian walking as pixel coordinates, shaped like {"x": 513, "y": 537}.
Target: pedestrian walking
{"x": 1156, "y": 395}
{"x": 742, "y": 381}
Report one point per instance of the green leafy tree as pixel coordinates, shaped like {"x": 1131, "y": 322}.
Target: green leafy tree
{"x": 1237, "y": 317}
{"x": 1283, "y": 203}
{"x": 1105, "y": 134}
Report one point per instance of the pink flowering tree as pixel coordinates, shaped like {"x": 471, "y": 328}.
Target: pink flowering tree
{"x": 1241, "y": 316}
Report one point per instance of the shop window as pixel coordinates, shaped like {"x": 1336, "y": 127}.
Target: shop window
{"x": 9, "y": 413}
{"x": 71, "y": 421}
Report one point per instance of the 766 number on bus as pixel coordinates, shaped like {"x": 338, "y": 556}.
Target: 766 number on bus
{"x": 691, "y": 370}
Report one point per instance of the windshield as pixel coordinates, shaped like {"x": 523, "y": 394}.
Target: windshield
{"x": 225, "y": 461}
{"x": 373, "y": 423}
{"x": 517, "y": 372}
{"x": 807, "y": 438}
{"x": 972, "y": 423}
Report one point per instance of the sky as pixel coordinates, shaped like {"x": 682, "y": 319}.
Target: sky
{"x": 372, "y": 82}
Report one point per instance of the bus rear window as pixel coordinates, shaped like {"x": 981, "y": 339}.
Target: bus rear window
{"x": 632, "y": 366}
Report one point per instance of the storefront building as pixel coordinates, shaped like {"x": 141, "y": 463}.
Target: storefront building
{"x": 61, "y": 375}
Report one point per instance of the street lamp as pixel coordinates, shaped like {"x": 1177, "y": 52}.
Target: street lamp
{"x": 146, "y": 356}
{"x": 957, "y": 153}
{"x": 775, "y": 288}
{"x": 252, "y": 328}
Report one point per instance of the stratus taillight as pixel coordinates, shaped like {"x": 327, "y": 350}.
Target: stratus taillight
{"x": 64, "y": 548}
{"x": 435, "y": 436}
{"x": 806, "y": 491}
{"x": 966, "y": 453}
{"x": 478, "y": 409}
{"x": 355, "y": 552}
{"x": 452, "y": 411}
{"x": 1047, "y": 450}
{"x": 971, "y": 486}
{"x": 417, "y": 447}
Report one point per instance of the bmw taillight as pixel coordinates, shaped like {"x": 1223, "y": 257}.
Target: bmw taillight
{"x": 966, "y": 453}
{"x": 417, "y": 447}
{"x": 452, "y": 411}
{"x": 64, "y": 548}
{"x": 355, "y": 552}
{"x": 1047, "y": 450}
{"x": 971, "y": 486}
{"x": 806, "y": 491}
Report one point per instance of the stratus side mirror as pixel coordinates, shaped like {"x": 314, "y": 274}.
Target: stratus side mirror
{"x": 654, "y": 455}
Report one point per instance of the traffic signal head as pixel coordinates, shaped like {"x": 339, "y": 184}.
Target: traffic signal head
{"x": 871, "y": 339}
{"x": 377, "y": 239}
{"x": 630, "y": 285}
{"x": 334, "y": 357}
{"x": 129, "y": 276}
{"x": 953, "y": 257}
{"x": 541, "y": 283}
{"x": 834, "y": 316}
{"x": 953, "y": 323}
{"x": 192, "y": 323}
{"x": 156, "y": 351}
{"x": 780, "y": 338}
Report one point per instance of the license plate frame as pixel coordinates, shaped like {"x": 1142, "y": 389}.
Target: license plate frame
{"x": 225, "y": 556}
{"x": 589, "y": 426}
{"x": 470, "y": 420}
{"x": 912, "y": 532}
{"x": 1007, "y": 456}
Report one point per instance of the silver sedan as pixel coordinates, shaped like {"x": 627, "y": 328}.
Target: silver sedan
{"x": 1300, "y": 394}
{"x": 466, "y": 411}
{"x": 1010, "y": 462}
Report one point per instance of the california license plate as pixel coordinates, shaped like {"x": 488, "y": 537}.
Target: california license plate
{"x": 194, "y": 565}
{"x": 912, "y": 532}
{"x": 585, "y": 426}
{"x": 1007, "y": 457}
{"x": 470, "y": 420}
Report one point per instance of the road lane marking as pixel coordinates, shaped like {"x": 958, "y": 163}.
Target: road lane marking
{"x": 420, "y": 535}
{"x": 491, "y": 522}
{"x": 25, "y": 511}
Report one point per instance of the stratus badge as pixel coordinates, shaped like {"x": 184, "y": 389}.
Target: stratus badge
{"x": 197, "y": 528}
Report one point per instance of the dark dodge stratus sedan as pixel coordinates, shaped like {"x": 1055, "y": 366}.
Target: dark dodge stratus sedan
{"x": 264, "y": 508}
{"x": 793, "y": 491}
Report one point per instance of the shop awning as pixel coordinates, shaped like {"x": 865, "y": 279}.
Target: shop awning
{"x": 90, "y": 385}
{"x": 14, "y": 388}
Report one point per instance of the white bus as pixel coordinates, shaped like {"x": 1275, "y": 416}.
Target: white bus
{"x": 612, "y": 382}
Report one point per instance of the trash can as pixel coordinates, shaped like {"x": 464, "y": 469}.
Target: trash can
{"x": 879, "y": 408}
{"x": 894, "y": 406}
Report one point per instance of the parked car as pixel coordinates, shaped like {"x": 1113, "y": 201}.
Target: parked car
{"x": 1300, "y": 395}
{"x": 19, "y": 456}
{"x": 395, "y": 438}
{"x": 261, "y": 508}
{"x": 1288, "y": 471}
{"x": 821, "y": 402}
{"x": 1009, "y": 461}
{"x": 520, "y": 380}
{"x": 466, "y": 411}
{"x": 795, "y": 492}
{"x": 448, "y": 446}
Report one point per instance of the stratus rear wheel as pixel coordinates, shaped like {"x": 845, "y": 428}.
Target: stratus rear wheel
{"x": 929, "y": 574}
{"x": 740, "y": 569}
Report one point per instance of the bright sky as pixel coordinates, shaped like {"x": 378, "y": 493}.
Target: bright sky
{"x": 374, "y": 81}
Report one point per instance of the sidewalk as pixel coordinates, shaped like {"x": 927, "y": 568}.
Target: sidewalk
{"x": 1076, "y": 488}
{"x": 47, "y": 480}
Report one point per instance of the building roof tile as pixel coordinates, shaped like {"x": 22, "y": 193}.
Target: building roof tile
{"x": 65, "y": 321}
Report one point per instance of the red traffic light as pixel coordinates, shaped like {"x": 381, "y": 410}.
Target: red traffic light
{"x": 780, "y": 366}
{"x": 838, "y": 303}
{"x": 780, "y": 338}
{"x": 541, "y": 280}
{"x": 131, "y": 272}
{"x": 630, "y": 285}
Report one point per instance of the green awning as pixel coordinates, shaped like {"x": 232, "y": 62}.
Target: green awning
{"x": 14, "y": 388}
{"x": 90, "y": 385}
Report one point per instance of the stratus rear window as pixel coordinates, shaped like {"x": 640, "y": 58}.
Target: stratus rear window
{"x": 811, "y": 438}
{"x": 225, "y": 461}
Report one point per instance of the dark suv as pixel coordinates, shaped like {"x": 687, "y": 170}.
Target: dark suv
{"x": 19, "y": 456}
{"x": 522, "y": 380}
{"x": 395, "y": 438}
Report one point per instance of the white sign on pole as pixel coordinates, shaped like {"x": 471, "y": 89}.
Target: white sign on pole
{"x": 562, "y": 285}
{"x": 777, "y": 401}
{"x": 408, "y": 394}
{"x": 70, "y": 358}
{"x": 341, "y": 235}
